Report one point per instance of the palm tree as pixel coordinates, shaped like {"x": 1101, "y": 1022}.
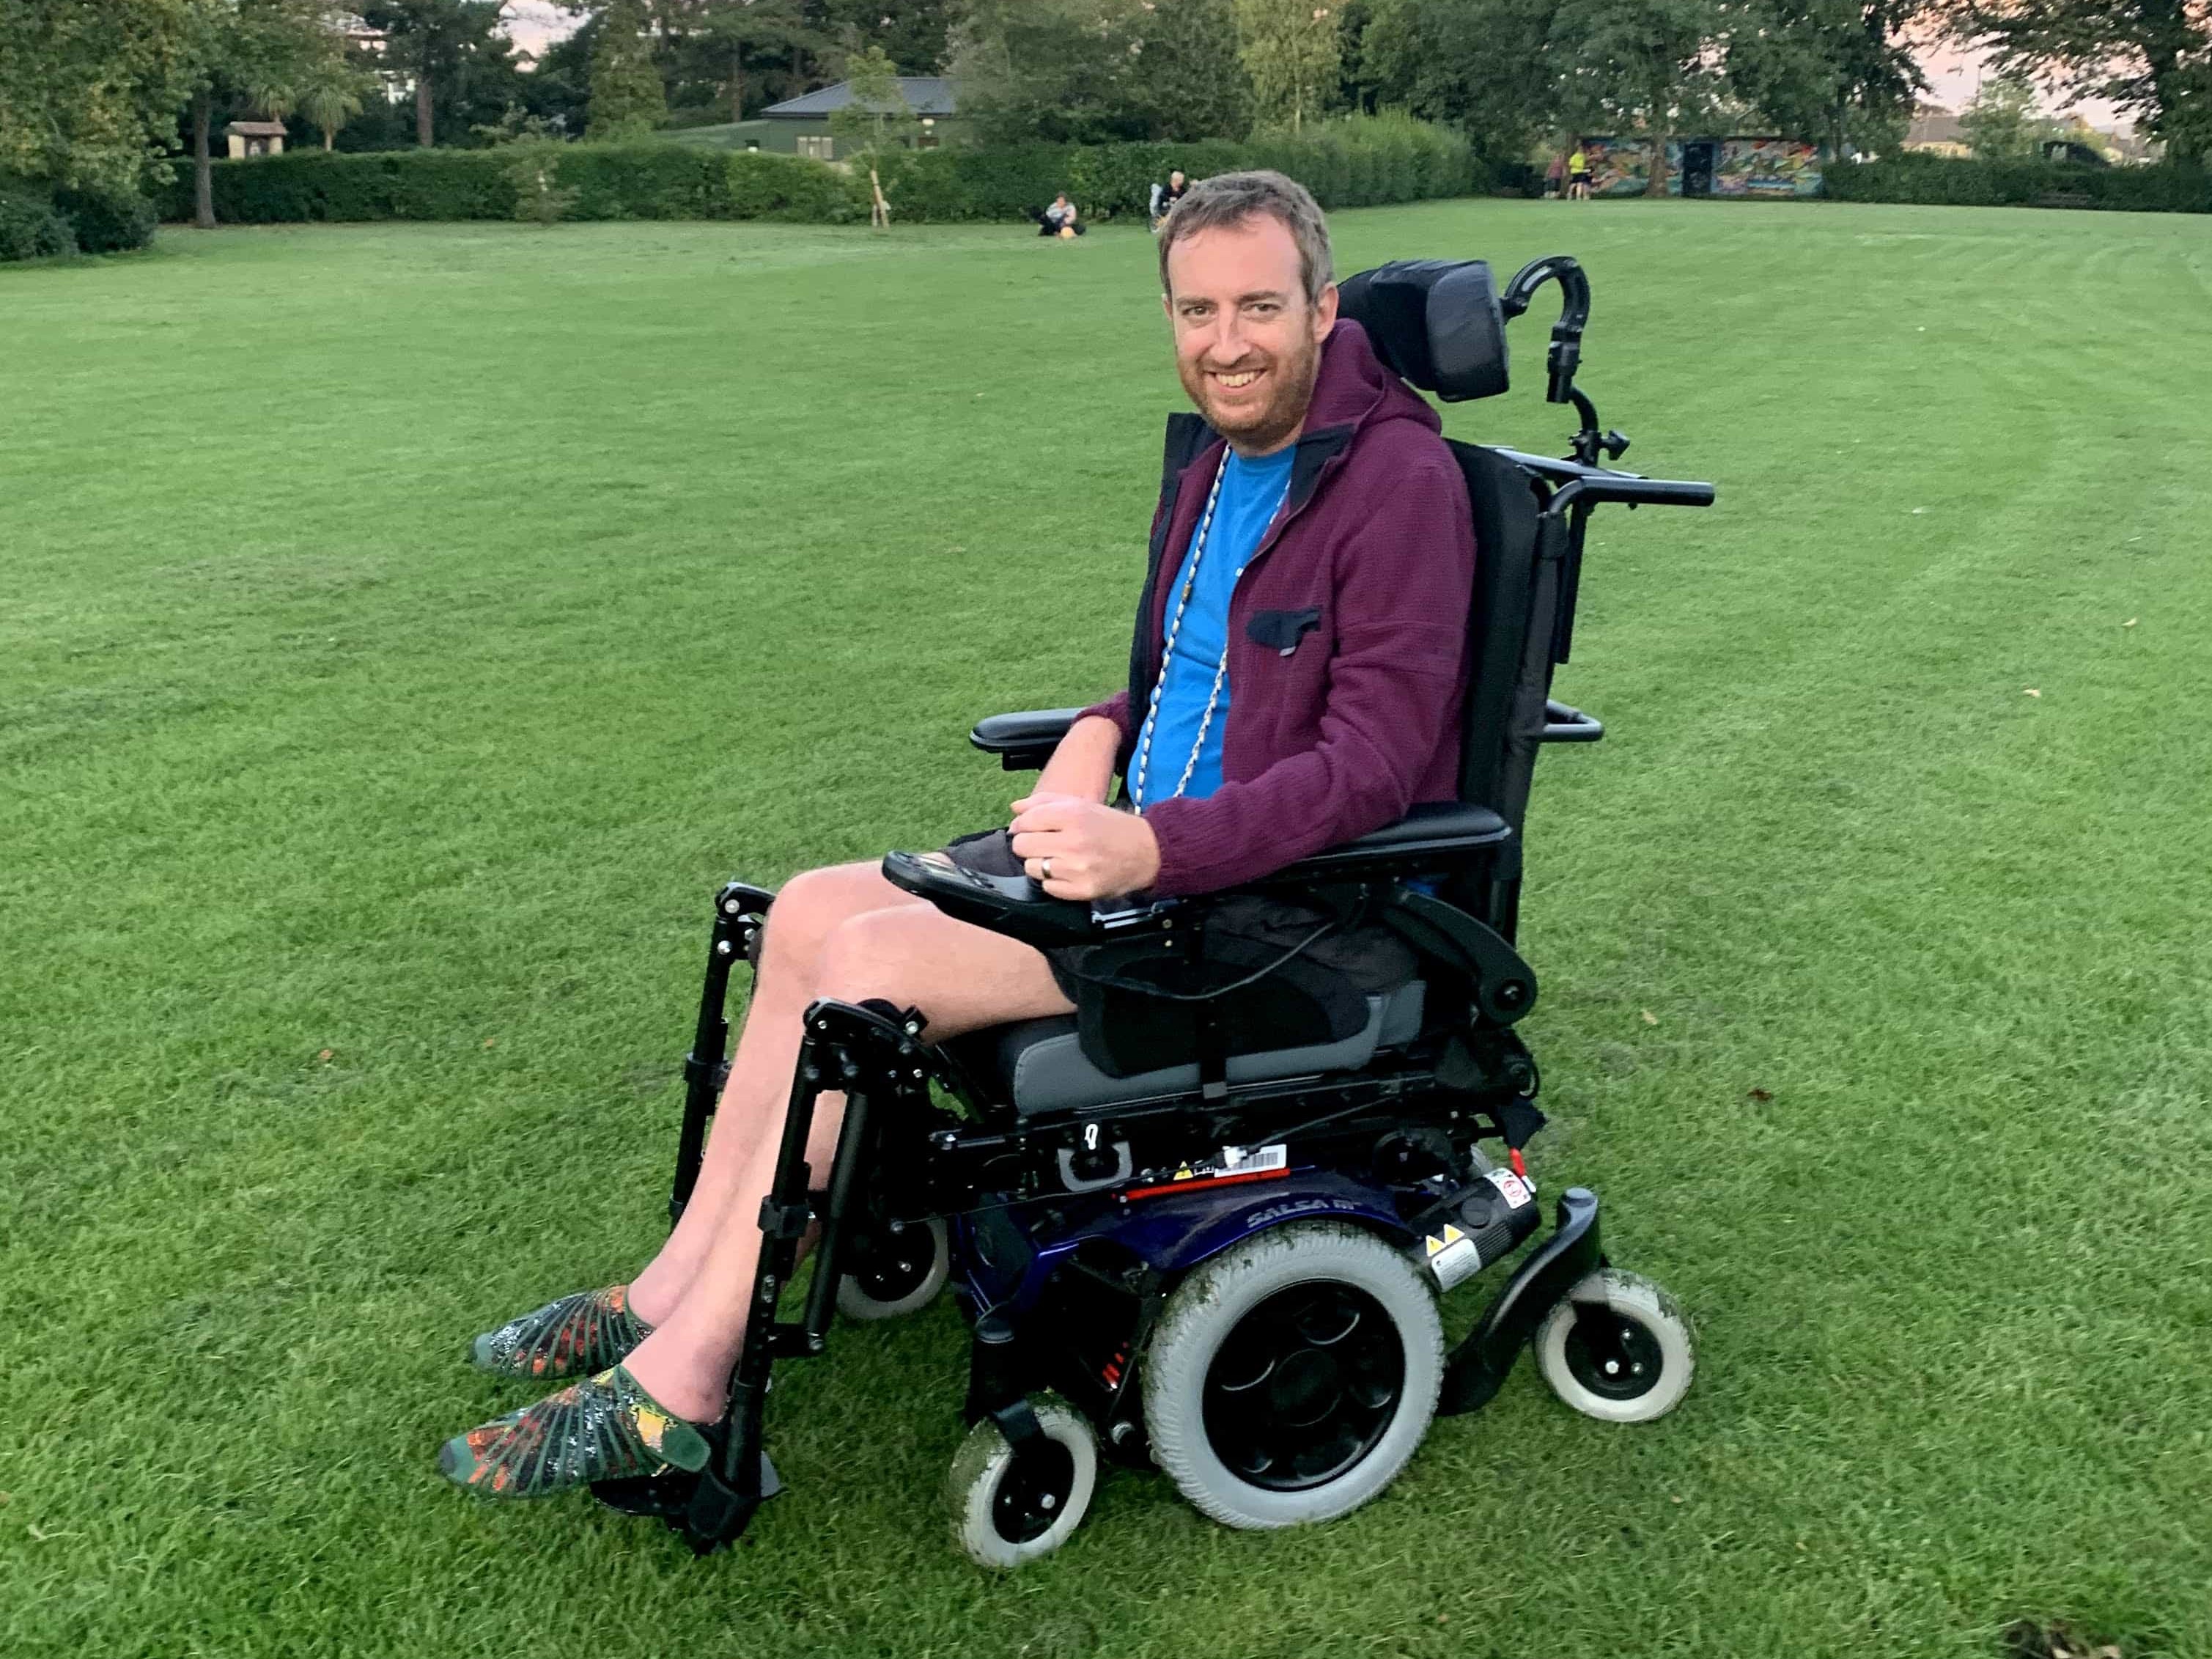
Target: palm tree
{"x": 330, "y": 96}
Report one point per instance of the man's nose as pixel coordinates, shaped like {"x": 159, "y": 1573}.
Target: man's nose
{"x": 1228, "y": 343}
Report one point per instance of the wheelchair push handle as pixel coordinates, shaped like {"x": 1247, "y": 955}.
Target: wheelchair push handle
{"x": 1601, "y": 486}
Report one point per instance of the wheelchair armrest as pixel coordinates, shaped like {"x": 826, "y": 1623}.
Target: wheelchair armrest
{"x": 1023, "y": 742}
{"x": 1435, "y": 832}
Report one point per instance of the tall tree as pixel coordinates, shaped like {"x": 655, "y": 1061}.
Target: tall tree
{"x": 2153, "y": 58}
{"x": 260, "y": 51}
{"x": 88, "y": 95}
{"x": 1480, "y": 65}
{"x": 1090, "y": 71}
{"x": 2005, "y": 122}
{"x": 628, "y": 95}
{"x": 332, "y": 94}
{"x": 1840, "y": 71}
{"x": 437, "y": 42}
{"x": 733, "y": 27}
{"x": 1292, "y": 52}
{"x": 1653, "y": 67}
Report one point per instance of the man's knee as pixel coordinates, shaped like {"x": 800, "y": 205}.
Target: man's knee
{"x": 812, "y": 905}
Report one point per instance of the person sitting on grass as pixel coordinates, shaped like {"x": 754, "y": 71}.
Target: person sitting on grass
{"x": 1164, "y": 197}
{"x": 1318, "y": 479}
{"x": 1059, "y": 217}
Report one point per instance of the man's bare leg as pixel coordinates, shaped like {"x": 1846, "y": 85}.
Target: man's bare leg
{"x": 808, "y": 910}
{"x": 962, "y": 978}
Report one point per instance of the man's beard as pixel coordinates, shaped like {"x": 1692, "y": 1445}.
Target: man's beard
{"x": 1263, "y": 428}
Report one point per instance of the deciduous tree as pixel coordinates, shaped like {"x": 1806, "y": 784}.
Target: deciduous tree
{"x": 437, "y": 42}
{"x": 2005, "y": 122}
{"x": 1652, "y": 67}
{"x": 2153, "y": 58}
{"x": 261, "y": 51}
{"x": 1292, "y": 51}
{"x": 88, "y": 95}
{"x": 628, "y": 95}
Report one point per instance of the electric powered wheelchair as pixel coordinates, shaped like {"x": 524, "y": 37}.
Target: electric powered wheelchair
{"x": 1227, "y": 1264}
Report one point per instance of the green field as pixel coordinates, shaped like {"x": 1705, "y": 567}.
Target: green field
{"x": 402, "y": 629}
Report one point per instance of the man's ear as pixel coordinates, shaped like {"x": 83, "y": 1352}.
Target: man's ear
{"x": 1325, "y": 313}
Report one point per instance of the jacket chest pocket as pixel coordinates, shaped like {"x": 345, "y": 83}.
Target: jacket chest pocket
{"x": 1281, "y": 631}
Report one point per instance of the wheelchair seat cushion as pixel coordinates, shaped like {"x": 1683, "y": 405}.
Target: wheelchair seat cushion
{"x": 1039, "y": 1065}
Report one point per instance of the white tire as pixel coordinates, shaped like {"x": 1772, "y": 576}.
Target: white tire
{"x": 890, "y": 1289}
{"x": 1004, "y": 1516}
{"x": 1641, "y": 1365}
{"x": 1291, "y": 1377}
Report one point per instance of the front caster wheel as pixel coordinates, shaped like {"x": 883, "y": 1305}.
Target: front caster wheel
{"x": 1618, "y": 1348}
{"x": 1009, "y": 1508}
{"x": 901, "y": 1273}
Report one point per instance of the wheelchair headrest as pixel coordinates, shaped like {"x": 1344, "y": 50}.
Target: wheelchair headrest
{"x": 1435, "y": 323}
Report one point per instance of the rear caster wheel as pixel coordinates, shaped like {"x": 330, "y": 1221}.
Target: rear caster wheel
{"x": 902, "y": 1274}
{"x": 1618, "y": 1349}
{"x": 1008, "y": 1508}
{"x": 1293, "y": 1376}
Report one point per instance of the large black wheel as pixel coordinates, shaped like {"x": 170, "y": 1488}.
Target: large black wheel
{"x": 1291, "y": 1377}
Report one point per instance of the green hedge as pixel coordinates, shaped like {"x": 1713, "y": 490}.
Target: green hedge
{"x": 1346, "y": 164}
{"x": 31, "y": 229}
{"x": 1953, "y": 182}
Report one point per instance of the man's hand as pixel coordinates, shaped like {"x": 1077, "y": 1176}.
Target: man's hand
{"x": 1092, "y": 851}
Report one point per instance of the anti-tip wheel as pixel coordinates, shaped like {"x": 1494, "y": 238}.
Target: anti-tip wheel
{"x": 902, "y": 1274}
{"x": 1007, "y": 1510}
{"x": 1618, "y": 1348}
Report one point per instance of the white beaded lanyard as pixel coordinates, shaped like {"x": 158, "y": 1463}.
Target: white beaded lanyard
{"x": 1167, "y": 649}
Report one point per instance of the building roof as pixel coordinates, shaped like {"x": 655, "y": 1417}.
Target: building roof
{"x": 1936, "y": 127}
{"x": 925, "y": 94}
{"x": 257, "y": 129}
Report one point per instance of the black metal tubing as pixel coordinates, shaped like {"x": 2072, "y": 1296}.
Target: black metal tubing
{"x": 740, "y": 912}
{"x": 1565, "y": 725}
{"x": 1479, "y": 1366}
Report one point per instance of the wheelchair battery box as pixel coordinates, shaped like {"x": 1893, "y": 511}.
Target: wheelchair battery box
{"x": 1485, "y": 1224}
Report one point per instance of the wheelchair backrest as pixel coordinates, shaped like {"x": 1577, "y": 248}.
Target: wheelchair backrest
{"x": 1437, "y": 324}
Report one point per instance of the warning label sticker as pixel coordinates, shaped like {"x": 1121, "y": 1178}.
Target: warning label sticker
{"x": 1452, "y": 1256}
{"x": 1515, "y": 1189}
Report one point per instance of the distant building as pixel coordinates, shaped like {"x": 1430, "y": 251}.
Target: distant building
{"x": 1763, "y": 167}
{"x": 254, "y": 138}
{"x": 800, "y": 126}
{"x": 1936, "y": 130}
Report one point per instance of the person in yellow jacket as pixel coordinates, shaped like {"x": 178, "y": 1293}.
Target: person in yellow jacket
{"x": 1578, "y": 176}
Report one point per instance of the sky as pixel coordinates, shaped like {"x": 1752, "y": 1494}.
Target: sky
{"x": 1953, "y": 76}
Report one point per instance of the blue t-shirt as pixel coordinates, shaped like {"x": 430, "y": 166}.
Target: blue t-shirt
{"x": 1251, "y": 491}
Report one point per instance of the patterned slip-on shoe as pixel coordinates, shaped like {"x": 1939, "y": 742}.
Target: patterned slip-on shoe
{"x": 604, "y": 1428}
{"x": 577, "y": 1336}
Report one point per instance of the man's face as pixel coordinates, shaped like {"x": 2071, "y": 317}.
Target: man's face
{"x": 1247, "y": 343}
{"x": 1175, "y": 177}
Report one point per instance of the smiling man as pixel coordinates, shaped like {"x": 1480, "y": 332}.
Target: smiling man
{"x": 1295, "y": 681}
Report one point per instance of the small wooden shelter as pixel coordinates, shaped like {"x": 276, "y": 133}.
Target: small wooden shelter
{"x": 255, "y": 138}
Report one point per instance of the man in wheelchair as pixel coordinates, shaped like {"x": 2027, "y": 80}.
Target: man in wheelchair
{"x": 1185, "y": 1096}
{"x": 1314, "y": 651}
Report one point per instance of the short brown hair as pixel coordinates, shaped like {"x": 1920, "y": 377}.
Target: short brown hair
{"x": 1230, "y": 198}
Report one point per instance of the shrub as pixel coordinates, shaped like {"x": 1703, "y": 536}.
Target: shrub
{"x": 31, "y": 229}
{"x": 1356, "y": 162}
{"x": 1948, "y": 181}
{"x": 107, "y": 220}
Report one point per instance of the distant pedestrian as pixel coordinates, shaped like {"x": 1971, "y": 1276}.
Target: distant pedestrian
{"x": 1555, "y": 177}
{"x": 1061, "y": 219}
{"x": 1579, "y": 176}
{"x": 1164, "y": 197}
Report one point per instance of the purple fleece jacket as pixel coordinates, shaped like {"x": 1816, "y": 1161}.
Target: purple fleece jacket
{"x": 1347, "y": 631}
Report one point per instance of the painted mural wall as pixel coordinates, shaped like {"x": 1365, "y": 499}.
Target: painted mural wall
{"x": 1745, "y": 166}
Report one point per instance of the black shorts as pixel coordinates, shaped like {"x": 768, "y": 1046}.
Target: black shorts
{"x": 1372, "y": 959}
{"x": 1579, "y": 179}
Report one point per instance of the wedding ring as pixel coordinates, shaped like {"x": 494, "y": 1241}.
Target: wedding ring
{"x": 1044, "y": 869}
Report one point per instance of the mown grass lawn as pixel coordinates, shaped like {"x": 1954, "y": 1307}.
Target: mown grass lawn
{"x": 402, "y": 629}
